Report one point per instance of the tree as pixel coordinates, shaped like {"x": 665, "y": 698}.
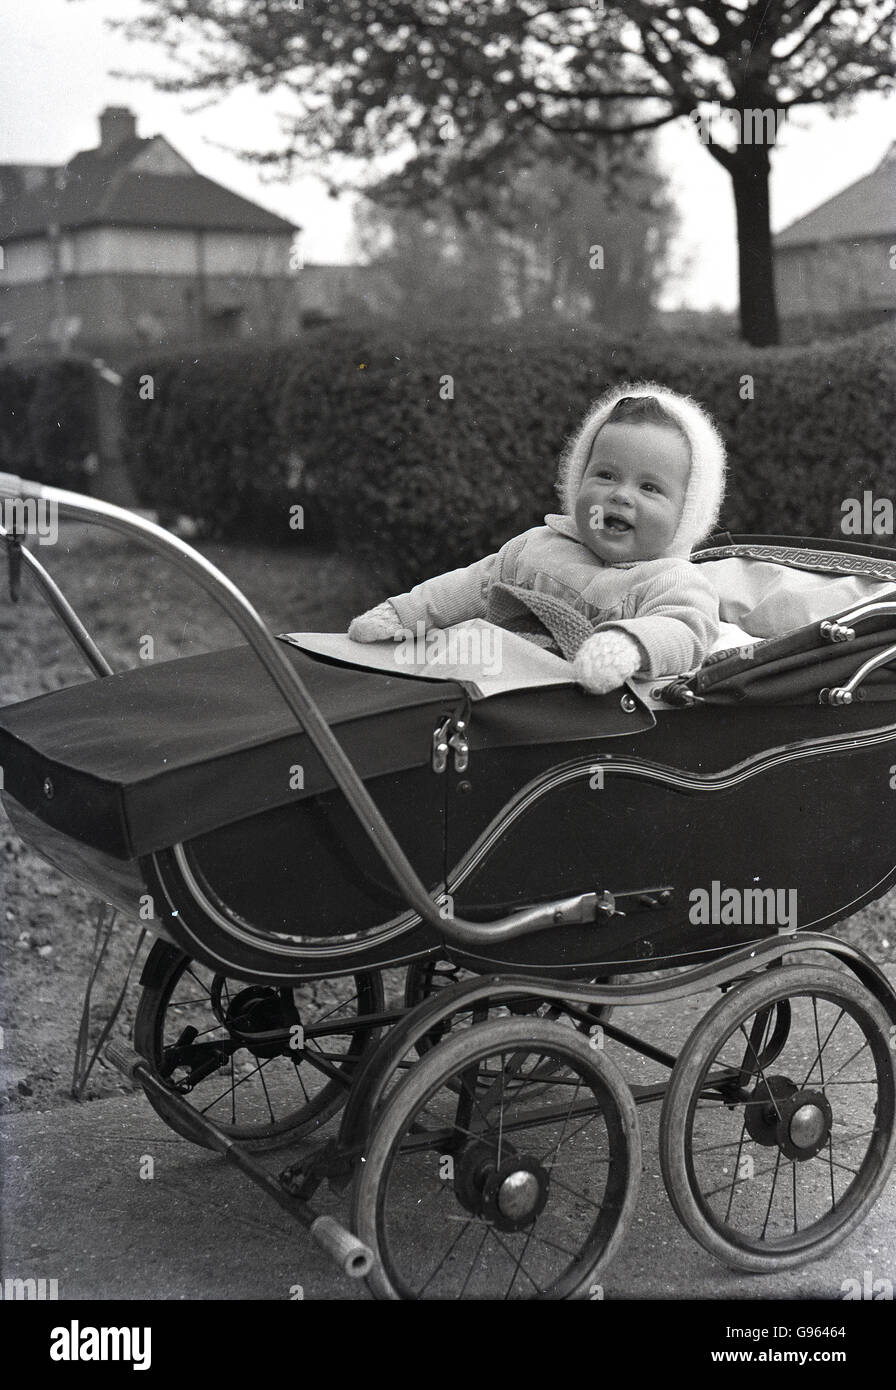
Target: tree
{"x": 447, "y": 88}
{"x": 543, "y": 242}
{"x": 590, "y": 246}
{"x": 432, "y": 268}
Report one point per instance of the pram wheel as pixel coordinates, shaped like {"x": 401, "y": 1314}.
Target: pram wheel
{"x": 267, "y": 1064}
{"x": 476, "y": 1185}
{"x": 771, "y": 1155}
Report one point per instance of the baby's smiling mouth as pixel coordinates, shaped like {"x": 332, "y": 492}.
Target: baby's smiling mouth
{"x": 617, "y": 524}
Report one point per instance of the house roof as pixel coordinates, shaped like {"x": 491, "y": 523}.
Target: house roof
{"x": 866, "y": 208}
{"x": 16, "y": 179}
{"x": 105, "y": 189}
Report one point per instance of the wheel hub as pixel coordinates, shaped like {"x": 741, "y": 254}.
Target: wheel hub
{"x": 764, "y": 1107}
{"x": 510, "y": 1195}
{"x": 805, "y": 1124}
{"x": 795, "y": 1119}
{"x": 260, "y": 1018}
{"x": 518, "y": 1194}
{"x": 515, "y": 1193}
{"x": 472, "y": 1166}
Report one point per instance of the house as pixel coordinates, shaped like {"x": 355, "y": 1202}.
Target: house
{"x": 838, "y": 262}
{"x": 128, "y": 244}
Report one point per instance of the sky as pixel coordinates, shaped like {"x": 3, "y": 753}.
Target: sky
{"x": 55, "y": 67}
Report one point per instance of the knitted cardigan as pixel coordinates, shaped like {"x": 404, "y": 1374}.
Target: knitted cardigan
{"x": 547, "y": 578}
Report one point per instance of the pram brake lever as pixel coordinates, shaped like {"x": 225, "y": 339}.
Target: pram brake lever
{"x": 597, "y": 907}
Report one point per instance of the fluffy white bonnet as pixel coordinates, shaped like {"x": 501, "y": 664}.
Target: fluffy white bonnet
{"x": 706, "y": 481}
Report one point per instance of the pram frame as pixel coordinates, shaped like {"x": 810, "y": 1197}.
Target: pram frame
{"x": 72, "y": 506}
{"x": 379, "y": 1066}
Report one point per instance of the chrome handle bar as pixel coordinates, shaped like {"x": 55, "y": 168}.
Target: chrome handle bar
{"x": 73, "y": 506}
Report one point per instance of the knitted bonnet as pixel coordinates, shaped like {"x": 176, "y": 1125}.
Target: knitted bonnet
{"x": 706, "y": 481}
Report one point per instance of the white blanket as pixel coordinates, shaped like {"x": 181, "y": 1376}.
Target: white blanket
{"x": 484, "y": 659}
{"x": 757, "y": 599}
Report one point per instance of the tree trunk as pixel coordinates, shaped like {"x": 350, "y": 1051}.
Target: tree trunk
{"x": 749, "y": 168}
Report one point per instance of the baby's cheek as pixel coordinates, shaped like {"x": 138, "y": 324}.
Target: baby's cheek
{"x": 595, "y": 520}
{"x": 589, "y": 514}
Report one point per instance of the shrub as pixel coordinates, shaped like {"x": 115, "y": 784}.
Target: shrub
{"x": 16, "y": 448}
{"x": 431, "y": 452}
{"x": 205, "y": 442}
{"x": 47, "y": 422}
{"x": 418, "y": 454}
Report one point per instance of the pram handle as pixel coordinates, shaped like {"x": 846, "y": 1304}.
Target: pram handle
{"x": 842, "y": 629}
{"x": 76, "y": 507}
{"x": 12, "y": 486}
{"x": 54, "y": 595}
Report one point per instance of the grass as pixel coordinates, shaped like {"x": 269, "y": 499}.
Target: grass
{"x": 125, "y": 594}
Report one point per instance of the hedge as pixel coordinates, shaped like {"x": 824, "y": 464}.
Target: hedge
{"x": 200, "y": 434}
{"x": 47, "y": 425}
{"x": 421, "y": 454}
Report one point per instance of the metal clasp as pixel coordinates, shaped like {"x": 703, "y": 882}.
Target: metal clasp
{"x": 450, "y": 735}
{"x": 458, "y": 742}
{"x": 440, "y": 746}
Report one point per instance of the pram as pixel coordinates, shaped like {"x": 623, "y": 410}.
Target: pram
{"x": 291, "y": 841}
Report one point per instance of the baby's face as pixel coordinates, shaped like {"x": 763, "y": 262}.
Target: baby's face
{"x": 633, "y": 491}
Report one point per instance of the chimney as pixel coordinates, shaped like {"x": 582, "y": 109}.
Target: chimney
{"x": 117, "y": 123}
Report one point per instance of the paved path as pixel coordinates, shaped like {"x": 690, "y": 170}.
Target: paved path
{"x": 75, "y": 1208}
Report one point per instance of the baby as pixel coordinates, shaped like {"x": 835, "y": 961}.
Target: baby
{"x": 608, "y": 582}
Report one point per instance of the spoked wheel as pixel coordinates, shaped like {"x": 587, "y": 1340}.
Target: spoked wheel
{"x": 477, "y": 1185}
{"x": 776, "y": 1141}
{"x": 266, "y": 1063}
{"x": 426, "y": 977}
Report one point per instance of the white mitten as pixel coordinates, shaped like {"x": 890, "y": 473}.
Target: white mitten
{"x": 606, "y": 659}
{"x": 376, "y": 625}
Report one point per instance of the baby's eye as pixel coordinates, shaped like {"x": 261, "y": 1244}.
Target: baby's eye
{"x": 650, "y": 487}
{"x": 603, "y": 473}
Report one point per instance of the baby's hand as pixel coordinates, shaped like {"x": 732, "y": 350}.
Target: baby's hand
{"x": 376, "y": 625}
{"x": 605, "y": 660}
